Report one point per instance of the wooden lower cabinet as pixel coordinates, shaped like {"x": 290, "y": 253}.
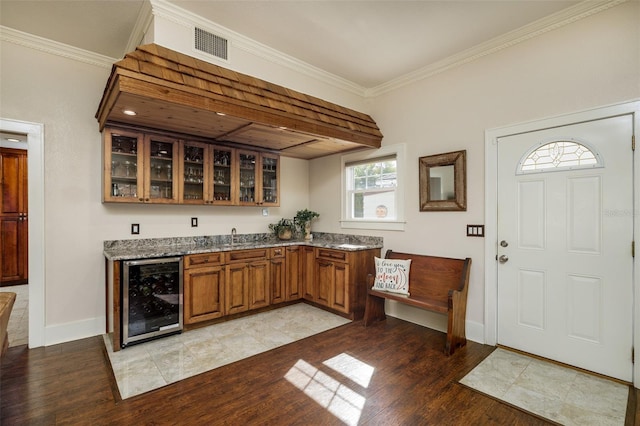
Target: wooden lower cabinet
{"x": 219, "y": 284}
{"x": 340, "y": 280}
{"x": 248, "y": 284}
{"x": 204, "y": 287}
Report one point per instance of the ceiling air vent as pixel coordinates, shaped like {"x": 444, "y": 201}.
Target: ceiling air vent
{"x": 211, "y": 44}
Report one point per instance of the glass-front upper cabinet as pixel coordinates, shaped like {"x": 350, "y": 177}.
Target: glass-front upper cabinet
{"x": 123, "y": 158}
{"x": 160, "y": 170}
{"x": 195, "y": 173}
{"x": 224, "y": 164}
{"x": 259, "y": 178}
{"x": 248, "y": 162}
{"x": 270, "y": 166}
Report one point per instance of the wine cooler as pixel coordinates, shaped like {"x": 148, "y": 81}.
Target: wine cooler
{"x": 151, "y": 299}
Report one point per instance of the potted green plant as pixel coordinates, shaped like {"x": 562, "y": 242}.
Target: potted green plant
{"x": 283, "y": 229}
{"x": 303, "y": 220}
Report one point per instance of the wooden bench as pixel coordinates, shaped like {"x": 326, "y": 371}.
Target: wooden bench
{"x": 7, "y": 299}
{"x": 436, "y": 284}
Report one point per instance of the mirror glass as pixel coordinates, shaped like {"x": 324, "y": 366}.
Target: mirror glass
{"x": 443, "y": 182}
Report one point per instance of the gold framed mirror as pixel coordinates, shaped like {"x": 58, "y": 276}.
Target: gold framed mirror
{"x": 443, "y": 182}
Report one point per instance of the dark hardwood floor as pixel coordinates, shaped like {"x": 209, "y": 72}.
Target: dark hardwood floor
{"x": 413, "y": 383}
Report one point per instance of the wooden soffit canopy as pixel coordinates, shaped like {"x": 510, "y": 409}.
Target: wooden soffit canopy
{"x": 174, "y": 92}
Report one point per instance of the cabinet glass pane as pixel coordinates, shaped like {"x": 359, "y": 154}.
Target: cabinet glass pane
{"x": 222, "y": 166}
{"x": 193, "y": 173}
{"x": 270, "y": 180}
{"x": 161, "y": 176}
{"x": 124, "y": 166}
{"x": 247, "y": 178}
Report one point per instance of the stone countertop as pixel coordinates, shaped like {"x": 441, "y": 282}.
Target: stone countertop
{"x": 181, "y": 246}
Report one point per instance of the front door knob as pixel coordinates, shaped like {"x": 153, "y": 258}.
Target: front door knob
{"x": 503, "y": 259}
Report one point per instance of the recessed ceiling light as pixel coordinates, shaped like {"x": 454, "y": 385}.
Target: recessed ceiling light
{"x": 129, "y": 112}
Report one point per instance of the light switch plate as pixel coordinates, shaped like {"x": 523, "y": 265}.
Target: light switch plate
{"x": 135, "y": 228}
{"x": 194, "y": 222}
{"x": 475, "y": 230}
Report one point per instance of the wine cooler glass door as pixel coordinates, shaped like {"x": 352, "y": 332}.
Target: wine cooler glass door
{"x": 151, "y": 299}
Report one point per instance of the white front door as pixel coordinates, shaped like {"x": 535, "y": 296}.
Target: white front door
{"x": 565, "y": 232}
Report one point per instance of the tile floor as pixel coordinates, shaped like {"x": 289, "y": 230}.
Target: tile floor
{"x": 560, "y": 394}
{"x": 150, "y": 365}
{"x": 18, "y": 326}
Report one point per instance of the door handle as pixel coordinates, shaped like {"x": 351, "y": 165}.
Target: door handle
{"x": 503, "y": 259}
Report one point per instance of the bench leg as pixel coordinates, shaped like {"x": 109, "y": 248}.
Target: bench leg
{"x": 373, "y": 310}
{"x": 456, "y": 337}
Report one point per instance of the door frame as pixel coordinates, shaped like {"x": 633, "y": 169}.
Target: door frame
{"x": 35, "y": 170}
{"x": 491, "y": 208}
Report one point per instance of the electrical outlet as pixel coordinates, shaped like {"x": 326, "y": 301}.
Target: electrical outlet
{"x": 194, "y": 222}
{"x": 135, "y": 228}
{"x": 265, "y": 211}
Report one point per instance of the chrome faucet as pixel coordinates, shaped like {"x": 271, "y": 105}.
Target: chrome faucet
{"x": 233, "y": 235}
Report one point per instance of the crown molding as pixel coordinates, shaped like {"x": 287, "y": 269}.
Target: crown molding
{"x": 145, "y": 17}
{"x": 185, "y": 18}
{"x": 53, "y": 47}
{"x": 534, "y": 29}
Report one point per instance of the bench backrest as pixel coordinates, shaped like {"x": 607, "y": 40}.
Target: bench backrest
{"x": 432, "y": 277}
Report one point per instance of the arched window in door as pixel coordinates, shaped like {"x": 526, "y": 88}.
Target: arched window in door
{"x": 559, "y": 155}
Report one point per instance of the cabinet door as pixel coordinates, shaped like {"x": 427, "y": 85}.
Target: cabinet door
{"x": 248, "y": 166}
{"x": 224, "y": 177}
{"x": 324, "y": 282}
{"x": 237, "y": 288}
{"x": 203, "y": 294}
{"x": 259, "y": 284}
{"x": 308, "y": 272}
{"x": 293, "y": 272}
{"x": 270, "y": 189}
{"x": 160, "y": 170}
{"x": 340, "y": 289}
{"x": 278, "y": 280}
{"x": 123, "y": 175}
{"x": 195, "y": 172}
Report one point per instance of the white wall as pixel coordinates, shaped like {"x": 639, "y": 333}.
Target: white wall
{"x": 63, "y": 94}
{"x": 592, "y": 62}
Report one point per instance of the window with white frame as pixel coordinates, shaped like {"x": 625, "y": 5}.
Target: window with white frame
{"x": 372, "y": 189}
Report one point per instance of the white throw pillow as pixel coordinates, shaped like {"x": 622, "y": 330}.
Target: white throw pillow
{"x": 392, "y": 275}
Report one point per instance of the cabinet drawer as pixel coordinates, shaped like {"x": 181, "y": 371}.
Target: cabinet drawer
{"x": 276, "y": 252}
{"x": 204, "y": 259}
{"x": 244, "y": 255}
{"x": 337, "y": 255}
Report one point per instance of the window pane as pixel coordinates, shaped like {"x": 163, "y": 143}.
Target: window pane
{"x": 360, "y": 183}
{"x": 559, "y": 155}
{"x": 374, "y": 205}
{"x": 371, "y": 190}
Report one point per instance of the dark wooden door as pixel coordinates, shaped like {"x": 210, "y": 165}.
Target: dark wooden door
{"x": 13, "y": 217}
